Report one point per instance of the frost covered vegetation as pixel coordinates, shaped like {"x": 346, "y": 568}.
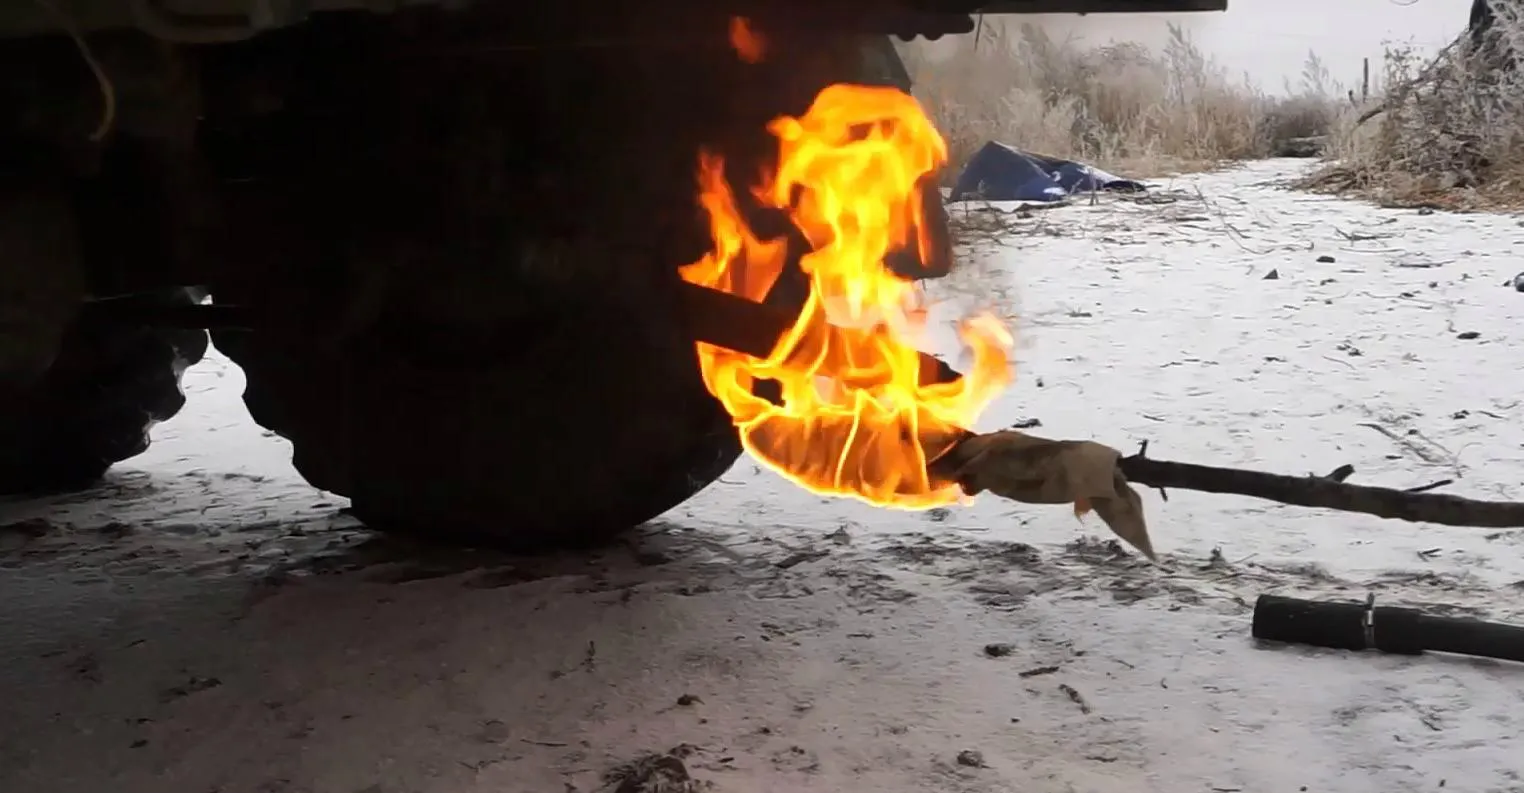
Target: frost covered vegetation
{"x": 1446, "y": 131}
{"x": 1125, "y": 106}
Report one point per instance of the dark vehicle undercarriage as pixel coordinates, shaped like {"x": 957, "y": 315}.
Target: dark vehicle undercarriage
{"x": 440, "y": 241}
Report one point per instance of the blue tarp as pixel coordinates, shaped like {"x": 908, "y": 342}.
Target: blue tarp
{"x": 1003, "y": 173}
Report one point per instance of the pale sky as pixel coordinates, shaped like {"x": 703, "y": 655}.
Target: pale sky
{"x": 1270, "y": 39}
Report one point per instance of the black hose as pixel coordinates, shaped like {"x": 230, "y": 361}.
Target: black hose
{"x": 1365, "y": 626}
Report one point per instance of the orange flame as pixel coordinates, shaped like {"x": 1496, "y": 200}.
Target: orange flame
{"x": 749, "y": 44}
{"x": 853, "y": 419}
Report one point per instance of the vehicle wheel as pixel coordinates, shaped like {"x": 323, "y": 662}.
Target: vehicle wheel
{"x": 594, "y": 420}
{"x": 94, "y": 407}
{"x": 376, "y": 272}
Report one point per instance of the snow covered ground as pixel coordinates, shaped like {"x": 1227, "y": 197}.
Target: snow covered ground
{"x": 208, "y": 623}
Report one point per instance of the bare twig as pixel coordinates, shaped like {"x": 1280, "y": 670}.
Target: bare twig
{"x": 1401, "y": 92}
{"x": 1339, "y": 474}
{"x": 1418, "y": 451}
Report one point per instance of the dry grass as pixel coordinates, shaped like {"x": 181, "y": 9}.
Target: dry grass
{"x": 1125, "y": 107}
{"x": 1449, "y": 132}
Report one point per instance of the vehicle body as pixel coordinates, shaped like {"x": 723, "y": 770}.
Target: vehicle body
{"x": 441, "y": 238}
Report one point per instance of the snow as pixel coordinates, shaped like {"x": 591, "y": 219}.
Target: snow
{"x": 207, "y": 622}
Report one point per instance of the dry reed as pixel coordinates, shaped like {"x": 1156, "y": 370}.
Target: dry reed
{"x": 1123, "y": 106}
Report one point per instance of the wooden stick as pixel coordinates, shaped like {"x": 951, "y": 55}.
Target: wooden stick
{"x": 1325, "y": 492}
{"x": 1329, "y": 491}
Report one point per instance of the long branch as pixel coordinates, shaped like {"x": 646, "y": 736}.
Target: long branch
{"x": 1014, "y": 464}
{"x": 1325, "y": 492}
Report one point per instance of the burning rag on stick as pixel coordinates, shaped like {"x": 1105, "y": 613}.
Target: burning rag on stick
{"x": 858, "y": 412}
{"x": 1033, "y": 470}
{"x": 862, "y": 414}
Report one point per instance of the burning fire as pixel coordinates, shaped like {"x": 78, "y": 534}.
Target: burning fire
{"x": 854, "y": 418}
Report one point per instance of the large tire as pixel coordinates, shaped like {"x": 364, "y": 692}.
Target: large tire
{"x": 594, "y": 422}
{"x": 395, "y": 211}
{"x": 94, "y": 407}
